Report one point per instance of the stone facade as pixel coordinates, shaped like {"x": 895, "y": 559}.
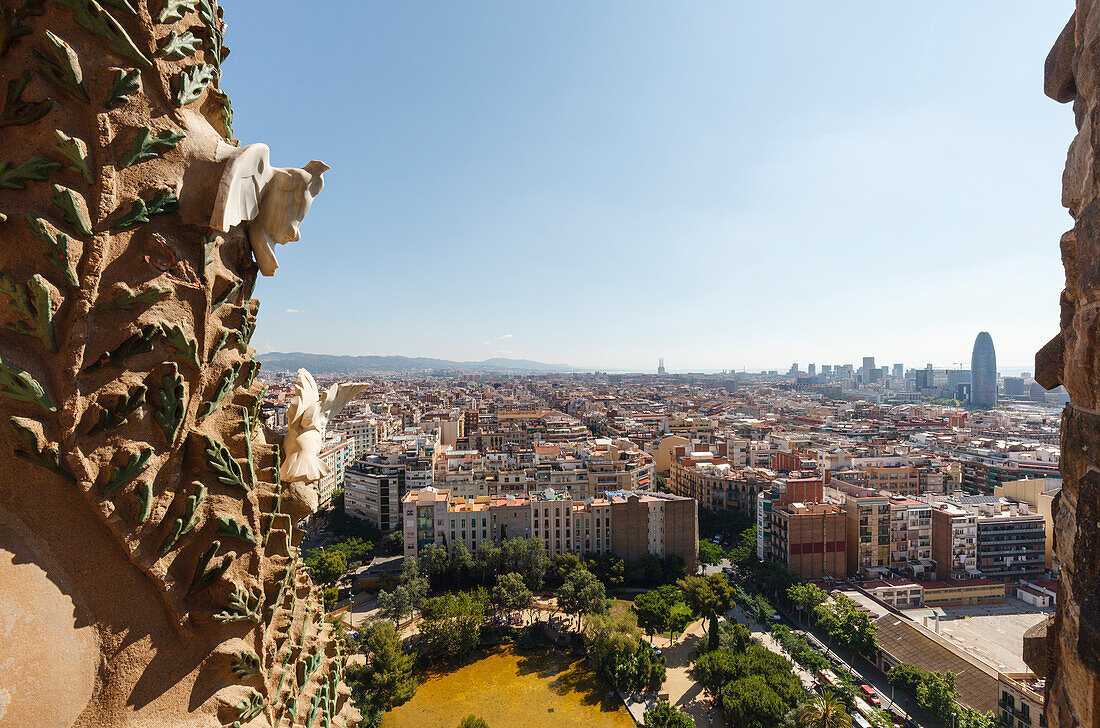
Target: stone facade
{"x": 149, "y": 573}
{"x": 1072, "y": 358}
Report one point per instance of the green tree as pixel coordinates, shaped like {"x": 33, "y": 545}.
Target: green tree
{"x": 608, "y": 568}
{"x": 329, "y": 596}
{"x": 614, "y": 647}
{"x": 435, "y": 563}
{"x": 806, "y": 596}
{"x": 710, "y": 553}
{"x": 847, "y": 624}
{"x": 452, "y": 622}
{"x": 937, "y": 693}
{"x": 970, "y": 718}
{"x": 386, "y": 679}
{"x": 750, "y": 702}
{"x": 774, "y": 578}
{"x": 511, "y": 593}
{"x": 326, "y": 566}
{"x": 562, "y": 566}
{"x": 487, "y": 561}
{"x": 907, "y": 678}
{"x": 733, "y": 636}
{"x": 408, "y": 596}
{"x": 673, "y": 568}
{"x": 714, "y": 669}
{"x": 654, "y": 613}
{"x": 709, "y": 596}
{"x": 824, "y": 711}
{"x": 473, "y": 721}
{"x": 743, "y": 552}
{"x": 462, "y": 564}
{"x": 760, "y": 609}
{"x": 582, "y": 593}
{"x": 354, "y": 549}
{"x": 666, "y": 716}
{"x": 527, "y": 557}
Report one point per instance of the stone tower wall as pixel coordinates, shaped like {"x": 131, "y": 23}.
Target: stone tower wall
{"x": 139, "y": 499}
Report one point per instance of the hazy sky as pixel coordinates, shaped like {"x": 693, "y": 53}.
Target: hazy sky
{"x": 719, "y": 183}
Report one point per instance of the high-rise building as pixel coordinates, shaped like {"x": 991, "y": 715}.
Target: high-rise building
{"x": 811, "y": 369}
{"x": 869, "y": 370}
{"x": 661, "y": 366}
{"x": 983, "y": 372}
{"x": 899, "y": 371}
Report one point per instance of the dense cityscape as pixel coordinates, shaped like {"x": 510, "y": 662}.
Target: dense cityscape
{"x": 640, "y": 365}
{"x": 918, "y": 498}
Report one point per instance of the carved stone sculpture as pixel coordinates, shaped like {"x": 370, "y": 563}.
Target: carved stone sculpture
{"x": 306, "y": 418}
{"x": 149, "y": 574}
{"x": 275, "y": 199}
{"x": 1072, "y": 358}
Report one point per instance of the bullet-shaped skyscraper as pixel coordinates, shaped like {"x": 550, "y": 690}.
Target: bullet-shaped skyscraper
{"x": 983, "y": 372}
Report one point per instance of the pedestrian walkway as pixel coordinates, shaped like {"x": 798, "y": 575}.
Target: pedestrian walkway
{"x": 765, "y": 638}
{"x": 683, "y": 691}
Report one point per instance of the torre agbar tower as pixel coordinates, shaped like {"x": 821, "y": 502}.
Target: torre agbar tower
{"x": 983, "y": 372}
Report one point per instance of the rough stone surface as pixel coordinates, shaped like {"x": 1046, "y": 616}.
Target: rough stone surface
{"x": 1072, "y": 358}
{"x": 146, "y": 555}
{"x": 1036, "y": 646}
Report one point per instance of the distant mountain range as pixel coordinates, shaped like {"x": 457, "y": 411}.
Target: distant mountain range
{"x": 319, "y": 364}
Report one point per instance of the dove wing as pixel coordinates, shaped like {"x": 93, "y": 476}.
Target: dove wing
{"x": 246, "y": 173}
{"x": 337, "y": 396}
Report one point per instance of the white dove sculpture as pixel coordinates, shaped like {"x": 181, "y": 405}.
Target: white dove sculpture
{"x": 306, "y": 419}
{"x": 274, "y": 199}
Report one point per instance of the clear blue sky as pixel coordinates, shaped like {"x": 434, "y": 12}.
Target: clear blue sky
{"x": 603, "y": 183}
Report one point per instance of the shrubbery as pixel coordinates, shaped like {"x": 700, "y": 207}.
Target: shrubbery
{"x": 617, "y": 650}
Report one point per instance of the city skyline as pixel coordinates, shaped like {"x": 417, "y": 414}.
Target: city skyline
{"x": 509, "y": 182}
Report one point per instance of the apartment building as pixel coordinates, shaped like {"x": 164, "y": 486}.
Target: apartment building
{"x": 373, "y": 488}
{"x": 630, "y": 524}
{"x": 954, "y": 542}
{"x": 902, "y": 479}
{"x": 664, "y": 452}
{"x": 982, "y": 475}
{"x": 1039, "y": 493}
{"x": 552, "y": 521}
{"x": 868, "y": 522}
{"x": 1023, "y": 697}
{"x": 809, "y": 539}
{"x": 374, "y": 483}
{"x": 1011, "y": 543}
{"x": 364, "y": 432}
{"x": 911, "y": 537}
{"x": 716, "y": 484}
{"x": 336, "y": 453}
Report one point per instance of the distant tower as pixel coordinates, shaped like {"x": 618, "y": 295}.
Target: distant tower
{"x": 870, "y": 372}
{"x": 983, "y": 372}
{"x": 661, "y": 366}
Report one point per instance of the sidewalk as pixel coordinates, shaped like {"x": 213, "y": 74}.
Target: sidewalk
{"x": 683, "y": 691}
{"x": 809, "y": 682}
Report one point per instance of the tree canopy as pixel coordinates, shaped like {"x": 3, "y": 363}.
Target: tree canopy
{"x": 710, "y": 596}
{"x": 710, "y": 553}
{"x": 582, "y": 593}
{"x": 511, "y": 593}
{"x": 653, "y": 612}
{"x": 386, "y": 679}
{"x": 824, "y": 711}
{"x": 665, "y": 715}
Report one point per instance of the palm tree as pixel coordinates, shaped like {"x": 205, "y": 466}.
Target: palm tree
{"x": 825, "y": 711}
